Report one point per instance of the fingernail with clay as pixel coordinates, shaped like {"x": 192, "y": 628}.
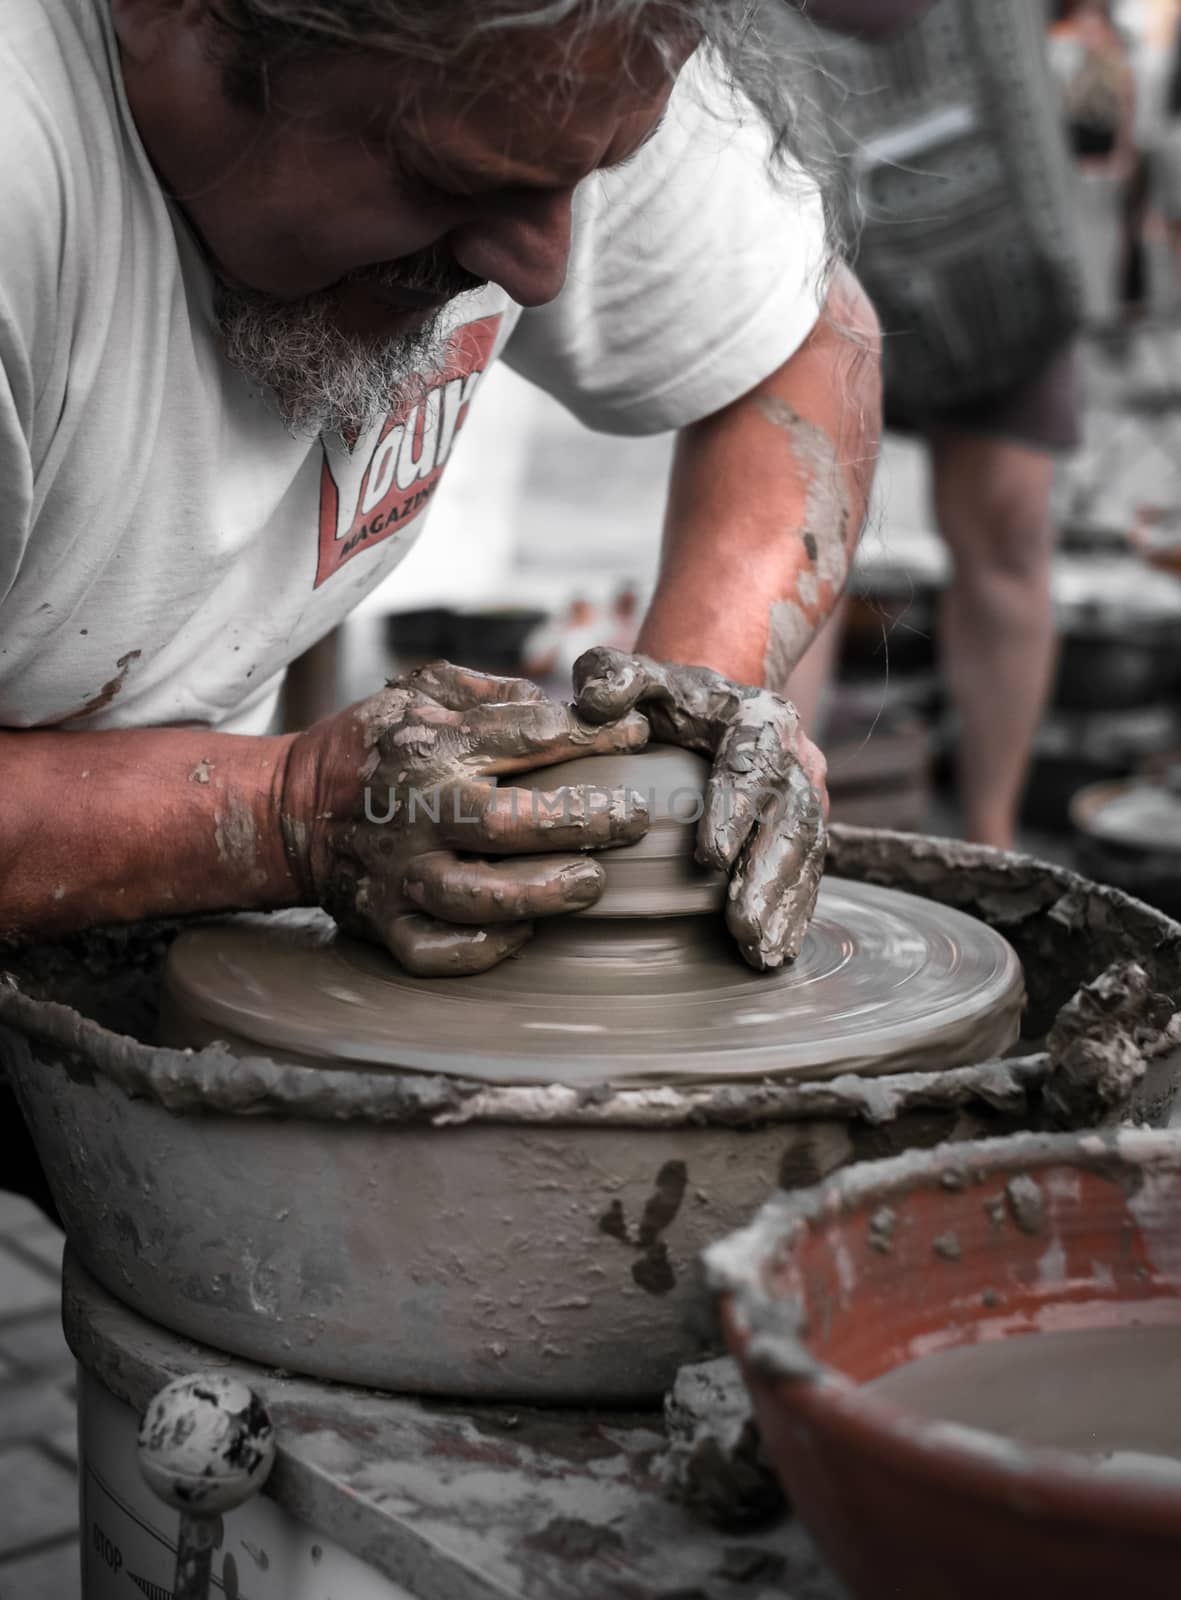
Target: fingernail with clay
{"x": 717, "y": 850}
{"x": 582, "y": 884}
{"x": 602, "y": 692}
{"x": 629, "y": 814}
{"x": 593, "y": 696}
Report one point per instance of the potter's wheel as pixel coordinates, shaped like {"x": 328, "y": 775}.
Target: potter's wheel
{"x": 886, "y": 982}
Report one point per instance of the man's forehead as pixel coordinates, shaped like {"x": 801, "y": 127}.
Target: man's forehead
{"x": 535, "y": 109}
{"x": 478, "y": 158}
{"x": 580, "y": 119}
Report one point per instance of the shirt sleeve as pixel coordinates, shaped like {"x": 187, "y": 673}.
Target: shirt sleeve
{"x": 32, "y": 304}
{"x": 16, "y": 467}
{"x": 696, "y": 270}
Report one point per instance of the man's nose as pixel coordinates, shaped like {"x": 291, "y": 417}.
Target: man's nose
{"x": 522, "y": 242}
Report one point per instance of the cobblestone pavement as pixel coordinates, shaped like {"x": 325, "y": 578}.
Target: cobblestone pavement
{"x": 38, "y": 1439}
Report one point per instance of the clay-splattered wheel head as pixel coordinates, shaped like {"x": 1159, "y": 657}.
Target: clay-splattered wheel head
{"x": 206, "y": 1444}
{"x": 886, "y": 982}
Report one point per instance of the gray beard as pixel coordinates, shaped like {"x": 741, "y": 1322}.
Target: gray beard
{"x": 321, "y": 380}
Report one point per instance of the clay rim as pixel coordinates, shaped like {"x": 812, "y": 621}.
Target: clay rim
{"x": 823, "y": 1398}
{"x": 212, "y": 1081}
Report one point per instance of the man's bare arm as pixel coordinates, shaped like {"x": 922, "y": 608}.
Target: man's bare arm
{"x": 112, "y": 827}
{"x": 109, "y": 827}
{"x": 767, "y": 502}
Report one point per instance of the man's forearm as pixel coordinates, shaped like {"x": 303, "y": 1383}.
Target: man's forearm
{"x": 111, "y": 827}
{"x": 766, "y": 504}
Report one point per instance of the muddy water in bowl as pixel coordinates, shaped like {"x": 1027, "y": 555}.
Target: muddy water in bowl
{"x": 965, "y": 1366}
{"x": 1112, "y": 1396}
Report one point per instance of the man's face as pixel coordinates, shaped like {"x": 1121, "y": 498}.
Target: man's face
{"x": 366, "y": 191}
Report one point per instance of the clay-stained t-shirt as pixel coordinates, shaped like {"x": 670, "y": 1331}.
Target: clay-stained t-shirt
{"x": 166, "y": 546}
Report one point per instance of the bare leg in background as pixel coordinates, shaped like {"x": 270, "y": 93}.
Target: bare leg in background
{"x": 996, "y": 623}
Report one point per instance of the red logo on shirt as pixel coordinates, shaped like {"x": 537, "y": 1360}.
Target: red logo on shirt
{"x": 410, "y": 455}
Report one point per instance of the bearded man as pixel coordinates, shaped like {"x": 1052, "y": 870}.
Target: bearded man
{"x": 256, "y": 256}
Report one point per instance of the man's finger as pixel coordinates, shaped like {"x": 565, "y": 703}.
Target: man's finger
{"x": 688, "y": 706}
{"x": 459, "y": 688}
{"x": 427, "y": 948}
{"x": 815, "y": 768}
{"x": 502, "y": 739}
{"x": 750, "y": 768}
{"x": 610, "y": 683}
{"x": 513, "y": 890}
{"x": 476, "y": 818}
{"x": 773, "y": 890}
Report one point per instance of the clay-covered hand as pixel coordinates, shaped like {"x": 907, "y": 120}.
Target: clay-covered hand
{"x": 763, "y": 821}
{"x": 398, "y": 826}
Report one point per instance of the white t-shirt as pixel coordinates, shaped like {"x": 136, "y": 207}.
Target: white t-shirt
{"x": 166, "y": 547}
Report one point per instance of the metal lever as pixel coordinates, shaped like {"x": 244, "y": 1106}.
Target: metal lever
{"x": 206, "y": 1446}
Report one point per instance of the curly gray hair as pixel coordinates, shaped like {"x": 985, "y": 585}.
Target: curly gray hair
{"x": 442, "y": 31}
{"x": 438, "y": 30}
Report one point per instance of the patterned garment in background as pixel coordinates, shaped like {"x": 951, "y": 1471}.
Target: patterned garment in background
{"x": 960, "y": 192}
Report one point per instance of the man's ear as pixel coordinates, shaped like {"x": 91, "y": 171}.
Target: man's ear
{"x": 145, "y": 27}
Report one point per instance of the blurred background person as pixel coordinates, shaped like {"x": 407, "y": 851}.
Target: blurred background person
{"x": 963, "y": 206}
{"x": 1089, "y": 55}
{"x": 1167, "y": 165}
{"x": 1090, "y": 59}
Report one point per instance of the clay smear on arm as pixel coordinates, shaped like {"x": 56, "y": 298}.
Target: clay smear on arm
{"x": 834, "y": 457}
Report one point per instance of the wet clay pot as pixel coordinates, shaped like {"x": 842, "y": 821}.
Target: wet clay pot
{"x": 992, "y": 1251}
{"x": 458, "y": 1225}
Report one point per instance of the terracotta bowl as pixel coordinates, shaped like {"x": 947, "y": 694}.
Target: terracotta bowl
{"x": 836, "y": 1286}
